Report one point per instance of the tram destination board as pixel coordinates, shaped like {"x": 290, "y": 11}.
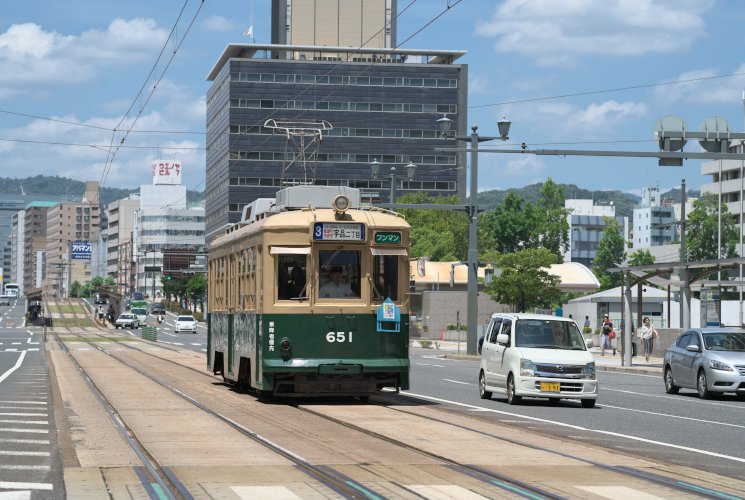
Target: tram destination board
{"x": 337, "y": 231}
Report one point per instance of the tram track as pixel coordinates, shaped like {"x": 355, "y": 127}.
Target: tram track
{"x": 348, "y": 488}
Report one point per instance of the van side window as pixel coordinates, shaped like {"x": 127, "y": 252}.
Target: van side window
{"x": 506, "y": 327}
{"x": 495, "y": 330}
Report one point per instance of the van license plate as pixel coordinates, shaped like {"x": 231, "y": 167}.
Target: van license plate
{"x": 550, "y": 387}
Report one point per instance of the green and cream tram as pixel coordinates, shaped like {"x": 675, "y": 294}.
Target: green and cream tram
{"x": 308, "y": 295}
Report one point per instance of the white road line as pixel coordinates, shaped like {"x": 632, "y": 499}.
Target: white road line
{"x": 24, "y": 414}
{"x": 429, "y": 364}
{"x": 447, "y": 380}
{"x": 676, "y": 398}
{"x": 580, "y": 428}
{"x": 24, "y": 441}
{"x": 25, "y": 486}
{"x": 14, "y": 368}
{"x": 24, "y": 467}
{"x": 713, "y": 422}
{"x": 24, "y": 402}
{"x": 8, "y": 453}
{"x": 30, "y": 431}
{"x": 33, "y": 422}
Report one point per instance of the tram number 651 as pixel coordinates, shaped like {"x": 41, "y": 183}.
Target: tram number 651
{"x": 338, "y": 337}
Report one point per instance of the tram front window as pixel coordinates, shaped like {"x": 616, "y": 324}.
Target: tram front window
{"x": 385, "y": 277}
{"x": 340, "y": 274}
{"x": 291, "y": 277}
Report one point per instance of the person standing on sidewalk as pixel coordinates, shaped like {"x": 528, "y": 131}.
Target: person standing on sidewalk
{"x": 606, "y": 329}
{"x": 648, "y": 334}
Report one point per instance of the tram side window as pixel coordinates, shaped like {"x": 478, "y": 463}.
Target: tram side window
{"x": 340, "y": 274}
{"x": 291, "y": 277}
{"x": 385, "y": 277}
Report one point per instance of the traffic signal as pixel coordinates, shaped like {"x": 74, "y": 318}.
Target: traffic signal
{"x": 168, "y": 277}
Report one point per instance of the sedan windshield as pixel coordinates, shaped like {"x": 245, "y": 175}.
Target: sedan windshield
{"x": 548, "y": 334}
{"x": 725, "y": 341}
{"x": 185, "y": 318}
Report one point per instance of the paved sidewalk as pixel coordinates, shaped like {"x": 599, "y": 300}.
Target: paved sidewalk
{"x": 609, "y": 362}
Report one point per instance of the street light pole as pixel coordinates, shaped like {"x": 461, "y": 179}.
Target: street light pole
{"x": 472, "y": 310}
{"x": 392, "y": 197}
{"x": 410, "y": 172}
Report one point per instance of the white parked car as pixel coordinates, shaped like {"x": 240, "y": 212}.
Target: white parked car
{"x": 536, "y": 356}
{"x": 186, "y": 323}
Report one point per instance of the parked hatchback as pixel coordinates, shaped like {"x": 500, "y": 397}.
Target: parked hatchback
{"x": 186, "y": 323}
{"x": 537, "y": 356}
{"x": 709, "y": 360}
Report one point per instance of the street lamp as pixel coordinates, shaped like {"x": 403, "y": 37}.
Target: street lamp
{"x": 473, "y": 260}
{"x": 375, "y": 170}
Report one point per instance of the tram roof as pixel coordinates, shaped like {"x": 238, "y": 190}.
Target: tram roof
{"x": 299, "y": 219}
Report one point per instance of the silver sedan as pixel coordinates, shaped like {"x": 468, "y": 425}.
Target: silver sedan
{"x": 709, "y": 360}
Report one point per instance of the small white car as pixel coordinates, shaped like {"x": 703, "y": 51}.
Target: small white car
{"x": 186, "y": 323}
{"x": 127, "y": 320}
{"x": 536, "y": 356}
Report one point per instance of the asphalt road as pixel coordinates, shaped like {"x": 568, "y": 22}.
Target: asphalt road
{"x": 633, "y": 414}
{"x": 29, "y": 463}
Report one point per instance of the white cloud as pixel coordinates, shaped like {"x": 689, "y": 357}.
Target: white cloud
{"x": 556, "y": 32}
{"x": 521, "y": 166}
{"x": 32, "y": 59}
{"x": 703, "y": 88}
{"x": 218, "y": 23}
{"x": 602, "y": 115}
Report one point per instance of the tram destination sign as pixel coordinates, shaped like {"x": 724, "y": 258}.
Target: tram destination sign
{"x": 387, "y": 237}
{"x": 336, "y": 231}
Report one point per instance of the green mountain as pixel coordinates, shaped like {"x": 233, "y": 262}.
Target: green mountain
{"x": 72, "y": 190}
{"x": 624, "y": 202}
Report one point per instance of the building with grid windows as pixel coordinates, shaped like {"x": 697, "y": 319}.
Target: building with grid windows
{"x": 371, "y": 104}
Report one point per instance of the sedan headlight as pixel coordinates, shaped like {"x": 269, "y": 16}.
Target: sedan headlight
{"x": 589, "y": 370}
{"x": 718, "y": 365}
{"x": 526, "y": 368}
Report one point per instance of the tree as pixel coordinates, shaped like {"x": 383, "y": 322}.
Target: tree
{"x": 702, "y": 228}
{"x": 441, "y": 235}
{"x": 196, "y": 288}
{"x": 75, "y": 289}
{"x": 525, "y": 281}
{"x": 553, "y": 226}
{"x": 610, "y": 253}
{"x": 509, "y": 227}
{"x": 641, "y": 258}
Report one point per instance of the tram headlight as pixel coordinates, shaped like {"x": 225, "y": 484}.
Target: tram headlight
{"x": 341, "y": 204}
{"x": 285, "y": 348}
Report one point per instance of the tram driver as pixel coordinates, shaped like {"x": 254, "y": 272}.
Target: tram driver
{"x": 336, "y": 287}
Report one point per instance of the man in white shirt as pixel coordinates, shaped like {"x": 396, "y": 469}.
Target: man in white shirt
{"x": 336, "y": 287}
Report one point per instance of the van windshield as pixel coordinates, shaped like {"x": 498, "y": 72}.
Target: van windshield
{"x": 548, "y": 334}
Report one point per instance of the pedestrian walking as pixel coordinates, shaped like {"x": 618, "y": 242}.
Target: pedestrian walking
{"x": 606, "y": 336}
{"x": 648, "y": 334}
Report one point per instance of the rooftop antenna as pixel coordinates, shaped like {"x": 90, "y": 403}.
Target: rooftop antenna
{"x": 250, "y": 31}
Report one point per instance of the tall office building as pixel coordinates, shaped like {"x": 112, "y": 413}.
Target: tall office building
{"x": 587, "y": 223}
{"x": 334, "y": 23}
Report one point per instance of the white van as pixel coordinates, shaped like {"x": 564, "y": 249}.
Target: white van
{"x": 141, "y": 313}
{"x": 536, "y": 355}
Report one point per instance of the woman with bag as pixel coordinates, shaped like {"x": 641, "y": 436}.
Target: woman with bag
{"x": 648, "y": 335}
{"x": 606, "y": 334}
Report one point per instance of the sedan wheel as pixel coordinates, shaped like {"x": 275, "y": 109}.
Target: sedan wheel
{"x": 703, "y": 390}
{"x": 512, "y": 398}
{"x": 482, "y": 387}
{"x": 670, "y": 386}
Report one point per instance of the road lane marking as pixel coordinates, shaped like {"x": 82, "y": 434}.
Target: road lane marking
{"x": 24, "y": 441}
{"x": 14, "y": 368}
{"x": 8, "y": 485}
{"x": 675, "y": 398}
{"x": 675, "y": 416}
{"x": 30, "y": 431}
{"x": 443, "y": 492}
{"x": 429, "y": 364}
{"x": 580, "y": 428}
{"x": 264, "y": 492}
{"x": 24, "y": 453}
{"x": 457, "y": 382}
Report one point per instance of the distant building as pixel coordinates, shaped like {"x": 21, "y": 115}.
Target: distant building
{"x": 654, "y": 225}
{"x": 587, "y": 222}
{"x": 71, "y": 230}
{"x": 161, "y": 224}
{"x": 35, "y": 243}
{"x": 349, "y": 23}
{"x": 121, "y": 222}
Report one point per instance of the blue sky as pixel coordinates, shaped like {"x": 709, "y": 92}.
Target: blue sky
{"x": 571, "y": 74}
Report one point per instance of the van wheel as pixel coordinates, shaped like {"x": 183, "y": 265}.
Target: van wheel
{"x": 512, "y": 398}
{"x": 588, "y": 403}
{"x": 482, "y": 386}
